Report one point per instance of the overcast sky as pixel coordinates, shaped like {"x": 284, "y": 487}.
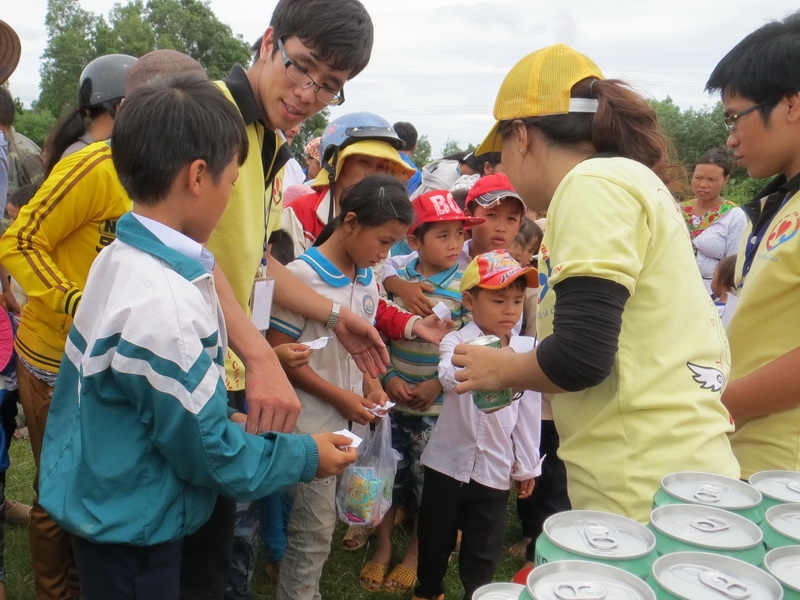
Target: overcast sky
{"x": 439, "y": 63}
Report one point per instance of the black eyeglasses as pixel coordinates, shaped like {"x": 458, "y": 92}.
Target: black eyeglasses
{"x": 730, "y": 122}
{"x": 300, "y": 76}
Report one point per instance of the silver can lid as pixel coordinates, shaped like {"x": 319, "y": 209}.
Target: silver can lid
{"x": 784, "y": 565}
{"x": 783, "y": 486}
{"x": 705, "y": 576}
{"x": 712, "y": 490}
{"x": 785, "y": 519}
{"x": 706, "y": 526}
{"x": 498, "y": 591}
{"x": 599, "y": 535}
{"x": 484, "y": 340}
{"x": 581, "y": 580}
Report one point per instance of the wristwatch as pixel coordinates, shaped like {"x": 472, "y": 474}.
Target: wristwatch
{"x": 336, "y": 310}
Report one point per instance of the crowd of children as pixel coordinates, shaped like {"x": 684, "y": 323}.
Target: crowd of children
{"x": 190, "y": 339}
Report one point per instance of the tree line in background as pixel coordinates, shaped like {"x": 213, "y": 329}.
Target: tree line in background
{"x": 77, "y": 36}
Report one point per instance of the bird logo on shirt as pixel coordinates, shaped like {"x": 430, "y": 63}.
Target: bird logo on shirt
{"x": 709, "y": 378}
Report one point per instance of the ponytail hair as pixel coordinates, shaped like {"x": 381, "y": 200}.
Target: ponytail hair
{"x": 71, "y": 125}
{"x": 375, "y": 200}
{"x": 624, "y": 124}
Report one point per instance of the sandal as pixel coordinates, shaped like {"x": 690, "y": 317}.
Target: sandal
{"x": 372, "y": 576}
{"x": 18, "y": 513}
{"x": 401, "y": 579}
{"x": 356, "y": 538}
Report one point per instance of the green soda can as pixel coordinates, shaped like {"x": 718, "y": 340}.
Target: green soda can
{"x": 777, "y": 487}
{"x": 687, "y": 528}
{"x": 499, "y": 590}
{"x": 710, "y": 489}
{"x": 704, "y": 576}
{"x": 485, "y": 400}
{"x": 781, "y": 526}
{"x": 589, "y": 535}
{"x": 580, "y": 580}
{"x": 784, "y": 565}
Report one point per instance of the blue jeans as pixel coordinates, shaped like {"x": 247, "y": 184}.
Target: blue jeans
{"x": 308, "y": 539}
{"x": 273, "y": 521}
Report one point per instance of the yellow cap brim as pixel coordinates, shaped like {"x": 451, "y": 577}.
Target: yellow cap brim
{"x": 491, "y": 143}
{"x": 374, "y": 148}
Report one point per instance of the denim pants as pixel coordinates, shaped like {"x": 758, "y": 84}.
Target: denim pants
{"x": 308, "y": 539}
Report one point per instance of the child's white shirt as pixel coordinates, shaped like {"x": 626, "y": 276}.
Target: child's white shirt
{"x": 491, "y": 449}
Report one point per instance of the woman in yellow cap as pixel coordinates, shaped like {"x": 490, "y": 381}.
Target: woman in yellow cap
{"x": 631, "y": 347}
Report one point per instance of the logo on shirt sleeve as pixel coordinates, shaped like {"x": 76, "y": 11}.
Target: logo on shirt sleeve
{"x": 368, "y": 304}
{"x": 709, "y": 378}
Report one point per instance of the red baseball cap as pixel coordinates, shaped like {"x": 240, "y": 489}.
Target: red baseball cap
{"x": 439, "y": 206}
{"x": 495, "y": 270}
{"x": 493, "y": 188}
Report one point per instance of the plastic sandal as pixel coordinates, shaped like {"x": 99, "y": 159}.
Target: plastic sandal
{"x": 372, "y": 576}
{"x": 401, "y": 579}
{"x": 356, "y": 538}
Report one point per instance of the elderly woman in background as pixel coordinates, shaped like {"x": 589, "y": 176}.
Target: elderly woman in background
{"x": 715, "y": 224}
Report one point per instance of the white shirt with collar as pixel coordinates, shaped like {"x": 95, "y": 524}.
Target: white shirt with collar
{"x": 468, "y": 444}
{"x": 179, "y": 242}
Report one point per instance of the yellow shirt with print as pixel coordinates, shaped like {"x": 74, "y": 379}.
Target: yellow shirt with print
{"x": 659, "y": 411}
{"x": 765, "y": 326}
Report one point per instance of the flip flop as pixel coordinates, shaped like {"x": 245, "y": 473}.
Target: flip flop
{"x": 358, "y": 536}
{"x": 402, "y": 577}
{"x": 372, "y": 572}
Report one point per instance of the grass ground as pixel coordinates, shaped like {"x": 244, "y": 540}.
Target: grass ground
{"x": 339, "y": 579}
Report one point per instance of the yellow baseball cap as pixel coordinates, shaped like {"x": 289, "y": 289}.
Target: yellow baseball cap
{"x": 376, "y": 148}
{"x": 540, "y": 85}
{"x": 495, "y": 270}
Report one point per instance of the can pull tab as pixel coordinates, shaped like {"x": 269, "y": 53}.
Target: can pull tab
{"x": 708, "y": 493}
{"x": 793, "y": 486}
{"x": 600, "y": 536}
{"x": 730, "y": 587}
{"x": 580, "y": 591}
{"x": 710, "y": 524}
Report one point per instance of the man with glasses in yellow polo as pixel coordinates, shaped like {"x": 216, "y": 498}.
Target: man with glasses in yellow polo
{"x": 760, "y": 84}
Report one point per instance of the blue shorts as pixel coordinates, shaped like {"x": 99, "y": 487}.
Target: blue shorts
{"x": 410, "y": 435}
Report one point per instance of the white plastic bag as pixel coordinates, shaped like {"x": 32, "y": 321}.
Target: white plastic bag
{"x": 365, "y": 490}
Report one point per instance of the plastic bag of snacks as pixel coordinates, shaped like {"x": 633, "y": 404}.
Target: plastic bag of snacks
{"x": 365, "y": 490}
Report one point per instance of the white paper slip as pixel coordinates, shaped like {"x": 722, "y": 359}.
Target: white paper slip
{"x": 355, "y": 441}
{"x": 317, "y": 343}
{"x": 441, "y": 311}
{"x": 381, "y": 410}
{"x": 522, "y": 343}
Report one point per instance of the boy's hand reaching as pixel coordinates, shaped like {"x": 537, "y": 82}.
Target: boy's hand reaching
{"x": 354, "y": 408}
{"x": 334, "y": 455}
{"x": 524, "y": 488}
{"x": 293, "y": 355}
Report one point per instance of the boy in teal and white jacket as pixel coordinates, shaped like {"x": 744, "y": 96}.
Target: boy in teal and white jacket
{"x": 138, "y": 441}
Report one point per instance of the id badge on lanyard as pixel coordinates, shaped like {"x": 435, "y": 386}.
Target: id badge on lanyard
{"x": 261, "y": 298}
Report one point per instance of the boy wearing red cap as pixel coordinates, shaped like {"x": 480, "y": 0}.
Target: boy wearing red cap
{"x": 437, "y": 236}
{"x": 472, "y": 455}
{"x": 493, "y": 200}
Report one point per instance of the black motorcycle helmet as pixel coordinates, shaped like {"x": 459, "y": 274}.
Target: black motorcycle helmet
{"x": 102, "y": 82}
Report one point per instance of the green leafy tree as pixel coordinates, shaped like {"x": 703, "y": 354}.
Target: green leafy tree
{"x": 71, "y": 41}
{"x": 451, "y": 147}
{"x": 422, "y": 153}
{"x": 34, "y": 124}
{"x": 127, "y": 31}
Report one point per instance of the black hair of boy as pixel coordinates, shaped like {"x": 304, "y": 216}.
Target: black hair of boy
{"x": 528, "y": 231}
{"x": 7, "y": 108}
{"x": 374, "y": 200}
{"x": 23, "y": 195}
{"x": 282, "y": 246}
{"x": 166, "y": 125}
{"x": 726, "y": 272}
{"x": 329, "y": 34}
{"x": 408, "y": 133}
{"x": 763, "y": 67}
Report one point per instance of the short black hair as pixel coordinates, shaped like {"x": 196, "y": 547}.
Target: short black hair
{"x": 764, "y": 66}
{"x": 338, "y": 32}
{"x": 169, "y": 123}
{"x": 406, "y": 132}
{"x": 719, "y": 157}
{"x": 7, "y": 108}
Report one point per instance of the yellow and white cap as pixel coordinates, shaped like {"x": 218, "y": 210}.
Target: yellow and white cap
{"x": 375, "y": 148}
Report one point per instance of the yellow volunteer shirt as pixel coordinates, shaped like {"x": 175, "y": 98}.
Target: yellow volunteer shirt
{"x": 765, "y": 326}
{"x": 659, "y": 411}
{"x": 237, "y": 242}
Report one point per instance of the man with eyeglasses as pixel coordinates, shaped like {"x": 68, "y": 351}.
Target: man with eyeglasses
{"x": 760, "y": 84}
{"x": 300, "y": 66}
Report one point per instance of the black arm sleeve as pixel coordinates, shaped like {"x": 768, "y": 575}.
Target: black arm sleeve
{"x": 586, "y": 325}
